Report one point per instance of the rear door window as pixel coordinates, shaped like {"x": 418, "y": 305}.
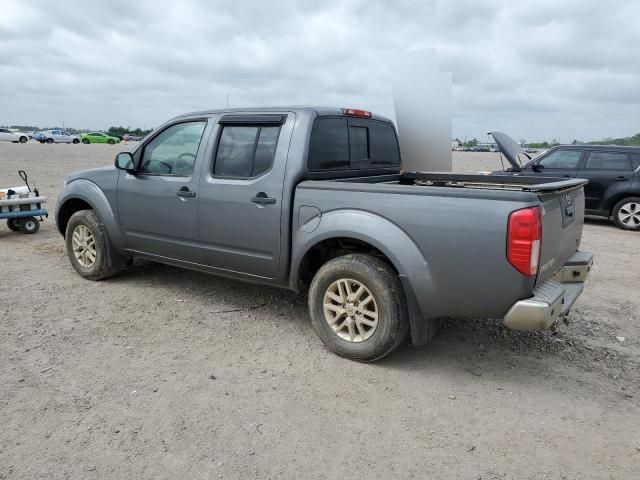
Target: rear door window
{"x": 607, "y": 161}
{"x": 245, "y": 151}
{"x": 562, "y": 159}
{"x": 635, "y": 160}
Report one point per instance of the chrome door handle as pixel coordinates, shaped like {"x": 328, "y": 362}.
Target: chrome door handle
{"x": 262, "y": 199}
{"x": 185, "y": 192}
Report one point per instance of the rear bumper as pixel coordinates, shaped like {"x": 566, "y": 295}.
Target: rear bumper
{"x": 554, "y": 298}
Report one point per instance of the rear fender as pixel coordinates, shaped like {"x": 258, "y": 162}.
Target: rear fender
{"x": 413, "y": 269}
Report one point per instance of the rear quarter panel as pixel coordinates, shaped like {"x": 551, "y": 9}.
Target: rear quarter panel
{"x": 456, "y": 260}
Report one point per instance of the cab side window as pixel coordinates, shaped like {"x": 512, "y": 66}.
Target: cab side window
{"x": 174, "y": 150}
{"x": 245, "y": 151}
{"x": 607, "y": 161}
{"x": 562, "y": 159}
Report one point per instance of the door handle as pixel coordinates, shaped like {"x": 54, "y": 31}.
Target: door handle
{"x": 621, "y": 178}
{"x": 566, "y": 176}
{"x": 263, "y": 199}
{"x": 184, "y": 192}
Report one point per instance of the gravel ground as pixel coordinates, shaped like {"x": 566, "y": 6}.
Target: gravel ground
{"x": 166, "y": 373}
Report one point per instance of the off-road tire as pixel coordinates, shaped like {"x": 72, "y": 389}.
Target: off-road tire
{"x": 616, "y": 214}
{"x": 383, "y": 283}
{"x": 107, "y": 263}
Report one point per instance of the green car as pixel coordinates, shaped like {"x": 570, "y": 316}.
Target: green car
{"x": 98, "y": 137}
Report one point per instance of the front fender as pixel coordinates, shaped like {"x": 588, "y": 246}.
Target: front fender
{"x": 90, "y": 193}
{"x": 419, "y": 286}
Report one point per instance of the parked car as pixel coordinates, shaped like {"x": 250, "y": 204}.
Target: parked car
{"x": 58, "y": 136}
{"x": 7, "y": 135}
{"x": 99, "y": 137}
{"x": 312, "y": 199}
{"x": 613, "y": 173}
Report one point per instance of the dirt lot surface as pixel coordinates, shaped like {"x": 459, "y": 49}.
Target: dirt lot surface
{"x": 166, "y": 373}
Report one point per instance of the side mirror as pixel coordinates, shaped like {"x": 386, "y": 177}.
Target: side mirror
{"x": 536, "y": 167}
{"x": 124, "y": 161}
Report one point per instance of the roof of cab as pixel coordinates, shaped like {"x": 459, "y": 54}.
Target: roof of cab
{"x": 587, "y": 146}
{"x": 320, "y": 111}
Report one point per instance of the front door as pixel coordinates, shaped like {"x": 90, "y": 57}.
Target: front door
{"x": 241, "y": 194}
{"x": 607, "y": 172}
{"x": 559, "y": 163}
{"x": 158, "y": 205}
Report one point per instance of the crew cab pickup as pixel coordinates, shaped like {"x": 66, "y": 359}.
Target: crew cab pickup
{"x": 314, "y": 200}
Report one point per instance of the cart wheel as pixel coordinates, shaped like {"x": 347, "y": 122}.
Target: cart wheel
{"x": 29, "y": 225}
{"x": 13, "y": 224}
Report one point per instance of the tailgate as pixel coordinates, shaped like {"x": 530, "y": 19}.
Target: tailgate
{"x": 562, "y": 220}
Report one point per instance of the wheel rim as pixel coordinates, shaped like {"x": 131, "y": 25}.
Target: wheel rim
{"x": 30, "y": 225}
{"x": 84, "y": 246}
{"x": 629, "y": 214}
{"x": 350, "y": 310}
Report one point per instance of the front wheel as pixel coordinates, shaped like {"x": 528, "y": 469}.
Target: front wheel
{"x": 85, "y": 141}
{"x": 88, "y": 246}
{"x": 49, "y": 140}
{"x": 626, "y": 213}
{"x": 23, "y": 139}
{"x": 111, "y": 141}
{"x": 75, "y": 140}
{"x": 357, "y": 307}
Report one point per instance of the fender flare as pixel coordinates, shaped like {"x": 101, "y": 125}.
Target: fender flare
{"x": 413, "y": 269}
{"x": 91, "y": 194}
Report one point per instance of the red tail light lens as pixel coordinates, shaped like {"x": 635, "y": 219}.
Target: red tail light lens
{"x": 354, "y": 112}
{"x": 524, "y": 233}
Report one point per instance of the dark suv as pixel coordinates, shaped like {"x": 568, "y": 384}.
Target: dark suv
{"x": 613, "y": 173}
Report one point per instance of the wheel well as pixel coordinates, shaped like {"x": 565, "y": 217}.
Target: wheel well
{"x": 615, "y": 200}
{"x": 67, "y": 209}
{"x": 329, "y": 249}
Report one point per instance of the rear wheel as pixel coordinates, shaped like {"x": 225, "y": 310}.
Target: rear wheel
{"x": 88, "y": 246}
{"x": 357, "y": 307}
{"x": 49, "y": 140}
{"x": 111, "y": 141}
{"x": 626, "y": 213}
{"x": 13, "y": 224}
{"x": 75, "y": 140}
{"x": 23, "y": 139}
{"x": 86, "y": 141}
{"x": 29, "y": 225}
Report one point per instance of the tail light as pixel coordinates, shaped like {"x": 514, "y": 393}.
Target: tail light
{"x": 354, "y": 112}
{"x": 524, "y": 233}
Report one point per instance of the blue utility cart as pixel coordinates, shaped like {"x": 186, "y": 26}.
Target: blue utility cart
{"x": 22, "y": 209}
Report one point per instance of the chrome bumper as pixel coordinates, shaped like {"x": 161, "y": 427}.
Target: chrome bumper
{"x": 554, "y": 298}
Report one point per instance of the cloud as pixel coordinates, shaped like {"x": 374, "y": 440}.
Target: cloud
{"x": 537, "y": 69}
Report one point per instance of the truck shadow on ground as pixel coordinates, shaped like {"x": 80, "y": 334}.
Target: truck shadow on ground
{"x": 476, "y": 346}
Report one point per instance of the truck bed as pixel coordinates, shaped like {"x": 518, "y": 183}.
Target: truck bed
{"x": 484, "y": 182}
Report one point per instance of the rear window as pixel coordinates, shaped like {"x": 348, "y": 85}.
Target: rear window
{"x": 635, "y": 160}
{"x": 346, "y": 143}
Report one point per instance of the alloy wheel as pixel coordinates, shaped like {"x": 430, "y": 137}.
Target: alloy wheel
{"x": 350, "y": 310}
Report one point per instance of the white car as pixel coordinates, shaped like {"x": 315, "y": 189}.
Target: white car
{"x": 7, "y": 135}
{"x": 58, "y": 136}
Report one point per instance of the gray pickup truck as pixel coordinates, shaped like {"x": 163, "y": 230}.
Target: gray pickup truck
{"x": 314, "y": 200}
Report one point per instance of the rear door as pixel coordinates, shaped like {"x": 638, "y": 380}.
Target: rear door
{"x": 158, "y": 205}
{"x": 241, "y": 193}
{"x": 608, "y": 172}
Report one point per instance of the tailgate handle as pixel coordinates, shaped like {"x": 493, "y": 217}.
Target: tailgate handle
{"x": 569, "y": 210}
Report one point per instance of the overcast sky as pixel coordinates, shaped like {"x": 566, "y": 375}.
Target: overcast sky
{"x": 535, "y": 69}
